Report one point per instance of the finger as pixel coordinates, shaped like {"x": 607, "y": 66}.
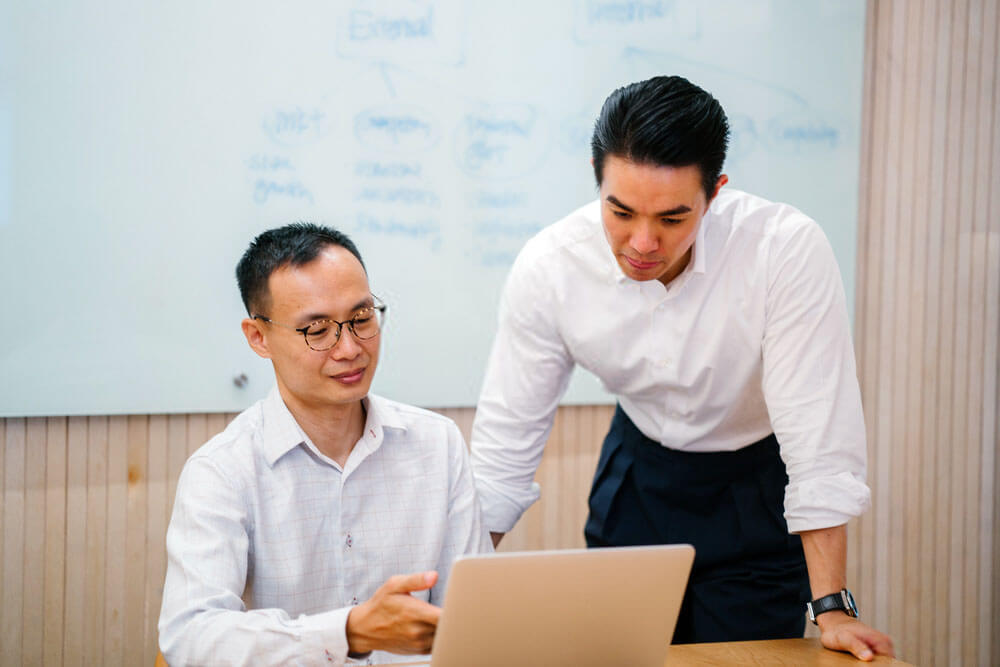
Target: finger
{"x": 407, "y": 583}
{"x": 418, "y": 639}
{"x": 880, "y": 643}
{"x": 419, "y": 611}
{"x": 859, "y": 648}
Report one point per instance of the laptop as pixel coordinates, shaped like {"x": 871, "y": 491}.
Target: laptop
{"x": 580, "y": 607}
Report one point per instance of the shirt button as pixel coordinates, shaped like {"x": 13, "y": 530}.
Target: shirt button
{"x": 349, "y": 541}
{"x": 354, "y": 600}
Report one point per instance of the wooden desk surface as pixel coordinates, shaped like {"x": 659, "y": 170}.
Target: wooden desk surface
{"x": 797, "y": 652}
{"x": 772, "y": 652}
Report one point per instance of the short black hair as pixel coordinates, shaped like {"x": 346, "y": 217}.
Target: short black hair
{"x": 666, "y": 121}
{"x": 294, "y": 245}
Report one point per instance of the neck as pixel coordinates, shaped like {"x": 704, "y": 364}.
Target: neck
{"x": 334, "y": 429}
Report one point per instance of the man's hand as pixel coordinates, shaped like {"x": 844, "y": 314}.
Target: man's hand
{"x": 844, "y": 633}
{"x": 393, "y": 620}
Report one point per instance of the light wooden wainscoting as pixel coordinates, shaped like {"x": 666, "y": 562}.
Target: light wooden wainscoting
{"x": 86, "y": 499}
{"x": 925, "y": 559}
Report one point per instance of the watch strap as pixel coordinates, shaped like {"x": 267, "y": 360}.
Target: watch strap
{"x": 842, "y": 600}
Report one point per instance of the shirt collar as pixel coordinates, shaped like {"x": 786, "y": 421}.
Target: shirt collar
{"x": 281, "y": 433}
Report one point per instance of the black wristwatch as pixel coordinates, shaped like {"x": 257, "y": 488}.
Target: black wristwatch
{"x": 842, "y": 600}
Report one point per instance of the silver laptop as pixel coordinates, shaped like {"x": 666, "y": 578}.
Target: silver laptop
{"x": 613, "y": 606}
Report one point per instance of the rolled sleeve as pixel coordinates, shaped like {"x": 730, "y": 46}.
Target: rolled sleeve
{"x": 810, "y": 382}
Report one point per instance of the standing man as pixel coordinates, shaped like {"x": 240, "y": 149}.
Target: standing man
{"x": 719, "y": 320}
{"x": 322, "y": 523}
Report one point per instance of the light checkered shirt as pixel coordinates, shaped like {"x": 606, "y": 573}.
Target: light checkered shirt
{"x": 271, "y": 543}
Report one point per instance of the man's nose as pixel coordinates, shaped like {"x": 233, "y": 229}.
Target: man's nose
{"x": 644, "y": 239}
{"x": 347, "y": 346}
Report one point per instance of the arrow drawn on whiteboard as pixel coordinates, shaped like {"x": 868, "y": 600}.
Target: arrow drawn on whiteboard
{"x": 656, "y": 57}
{"x": 420, "y": 80}
{"x": 384, "y": 68}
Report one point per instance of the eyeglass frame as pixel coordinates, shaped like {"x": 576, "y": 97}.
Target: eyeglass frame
{"x": 377, "y": 305}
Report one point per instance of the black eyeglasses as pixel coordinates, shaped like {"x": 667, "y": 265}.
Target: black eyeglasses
{"x": 322, "y": 335}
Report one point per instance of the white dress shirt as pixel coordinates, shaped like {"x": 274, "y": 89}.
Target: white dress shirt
{"x": 752, "y": 337}
{"x": 271, "y": 543}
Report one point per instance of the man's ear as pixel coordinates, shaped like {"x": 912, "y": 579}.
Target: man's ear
{"x": 253, "y": 330}
{"x": 723, "y": 179}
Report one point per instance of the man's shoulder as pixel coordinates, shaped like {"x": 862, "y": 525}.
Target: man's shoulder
{"x": 580, "y": 227}
{"x": 565, "y": 252}
{"x": 750, "y": 213}
{"x": 409, "y": 418}
{"x": 409, "y": 430}
{"x": 237, "y": 444}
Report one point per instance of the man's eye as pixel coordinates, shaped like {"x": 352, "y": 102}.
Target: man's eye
{"x": 621, "y": 214}
{"x": 362, "y": 320}
{"x": 317, "y": 331}
{"x": 672, "y": 221}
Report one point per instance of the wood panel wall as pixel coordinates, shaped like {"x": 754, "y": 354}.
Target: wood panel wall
{"x": 86, "y": 500}
{"x": 925, "y": 559}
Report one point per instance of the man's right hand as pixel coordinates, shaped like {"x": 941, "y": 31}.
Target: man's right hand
{"x": 393, "y": 620}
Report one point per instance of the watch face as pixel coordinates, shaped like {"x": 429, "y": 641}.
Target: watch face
{"x": 852, "y": 608}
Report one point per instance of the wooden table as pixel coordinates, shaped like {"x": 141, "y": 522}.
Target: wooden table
{"x": 772, "y": 652}
{"x": 797, "y": 652}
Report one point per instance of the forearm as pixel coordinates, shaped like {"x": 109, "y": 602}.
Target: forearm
{"x": 826, "y": 558}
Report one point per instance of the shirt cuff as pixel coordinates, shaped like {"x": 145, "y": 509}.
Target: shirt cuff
{"x": 824, "y": 502}
{"x": 500, "y": 512}
{"x": 324, "y": 635}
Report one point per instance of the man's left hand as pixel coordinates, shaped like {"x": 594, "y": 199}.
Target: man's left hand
{"x": 844, "y": 633}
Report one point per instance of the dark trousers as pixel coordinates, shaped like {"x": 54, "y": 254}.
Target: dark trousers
{"x": 749, "y": 579}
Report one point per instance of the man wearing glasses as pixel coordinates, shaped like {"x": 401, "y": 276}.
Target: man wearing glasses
{"x": 322, "y": 522}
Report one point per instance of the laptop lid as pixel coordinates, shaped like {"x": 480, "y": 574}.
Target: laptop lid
{"x": 575, "y": 607}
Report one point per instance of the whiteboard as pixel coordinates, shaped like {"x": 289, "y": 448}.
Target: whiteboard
{"x": 143, "y": 145}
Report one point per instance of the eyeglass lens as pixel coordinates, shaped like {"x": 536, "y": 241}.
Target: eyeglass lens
{"x": 324, "y": 334}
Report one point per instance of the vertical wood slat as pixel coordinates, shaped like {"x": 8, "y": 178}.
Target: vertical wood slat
{"x": 990, "y": 637}
{"x": 980, "y": 119}
{"x": 55, "y": 540}
{"x": 13, "y": 542}
{"x": 176, "y": 455}
{"x": 935, "y": 373}
{"x": 922, "y": 410}
{"x": 868, "y": 276}
{"x": 156, "y": 529}
{"x": 893, "y": 310}
{"x": 910, "y": 290}
{"x": 3, "y": 519}
{"x": 115, "y": 535}
{"x": 874, "y": 528}
{"x": 954, "y": 277}
{"x": 136, "y": 489}
{"x": 74, "y": 646}
{"x": 97, "y": 495}
{"x": 987, "y": 274}
{"x": 32, "y": 608}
